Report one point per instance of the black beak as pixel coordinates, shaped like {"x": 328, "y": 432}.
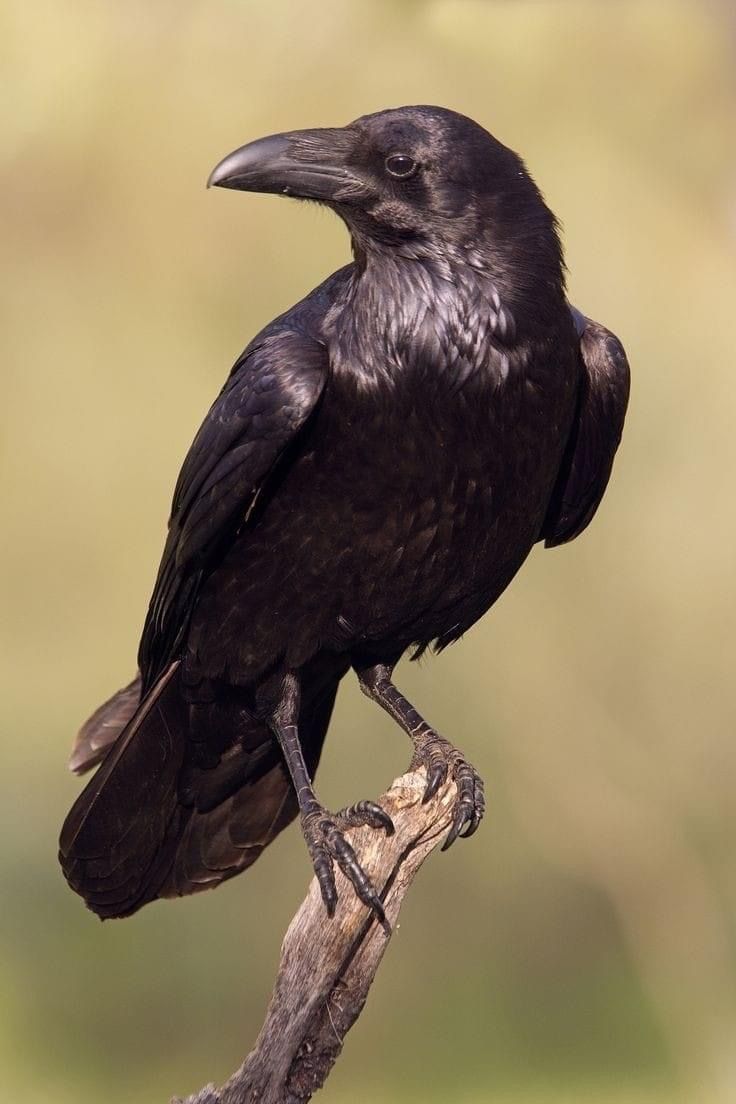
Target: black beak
{"x": 310, "y": 164}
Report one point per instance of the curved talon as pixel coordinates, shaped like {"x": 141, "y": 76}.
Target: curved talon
{"x": 366, "y": 812}
{"x": 474, "y": 826}
{"x": 377, "y": 907}
{"x": 377, "y": 817}
{"x": 462, "y": 817}
{"x": 436, "y": 775}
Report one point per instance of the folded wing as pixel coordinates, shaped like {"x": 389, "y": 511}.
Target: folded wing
{"x": 595, "y": 436}
{"x": 270, "y": 393}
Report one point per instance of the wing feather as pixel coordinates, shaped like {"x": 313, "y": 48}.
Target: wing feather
{"x": 596, "y": 432}
{"x": 267, "y": 399}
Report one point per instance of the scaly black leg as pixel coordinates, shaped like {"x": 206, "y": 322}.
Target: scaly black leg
{"x": 431, "y": 750}
{"x": 323, "y": 830}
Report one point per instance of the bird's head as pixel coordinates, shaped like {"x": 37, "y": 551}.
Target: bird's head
{"x": 413, "y": 179}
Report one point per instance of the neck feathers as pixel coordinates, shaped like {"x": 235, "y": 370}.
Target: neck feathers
{"x": 511, "y": 258}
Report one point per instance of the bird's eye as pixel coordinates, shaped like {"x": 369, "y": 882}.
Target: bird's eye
{"x": 401, "y": 165}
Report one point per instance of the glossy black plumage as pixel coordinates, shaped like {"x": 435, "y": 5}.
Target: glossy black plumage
{"x": 376, "y": 469}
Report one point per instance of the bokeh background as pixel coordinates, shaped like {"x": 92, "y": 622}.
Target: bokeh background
{"x": 582, "y": 947}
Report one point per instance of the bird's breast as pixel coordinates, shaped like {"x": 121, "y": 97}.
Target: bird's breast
{"x": 410, "y": 504}
{"x": 436, "y": 481}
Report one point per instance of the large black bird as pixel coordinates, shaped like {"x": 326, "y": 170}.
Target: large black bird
{"x": 373, "y": 474}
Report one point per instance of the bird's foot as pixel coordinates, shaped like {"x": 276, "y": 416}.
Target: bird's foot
{"x": 442, "y": 760}
{"x": 323, "y": 832}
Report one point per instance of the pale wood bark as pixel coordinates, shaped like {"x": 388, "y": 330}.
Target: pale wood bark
{"x": 328, "y": 966}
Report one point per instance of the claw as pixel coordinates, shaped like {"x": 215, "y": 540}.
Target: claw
{"x": 375, "y": 904}
{"x": 367, "y": 812}
{"x": 436, "y": 775}
{"x": 462, "y": 817}
{"x": 377, "y": 907}
{"x": 377, "y": 817}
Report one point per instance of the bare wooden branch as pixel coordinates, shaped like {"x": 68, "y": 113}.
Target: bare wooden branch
{"x": 328, "y": 966}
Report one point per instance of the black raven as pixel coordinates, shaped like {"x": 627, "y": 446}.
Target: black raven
{"x": 376, "y": 469}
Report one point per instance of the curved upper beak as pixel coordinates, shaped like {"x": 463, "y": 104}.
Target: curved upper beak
{"x": 310, "y": 164}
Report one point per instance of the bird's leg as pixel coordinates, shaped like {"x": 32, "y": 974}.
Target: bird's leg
{"x": 323, "y": 831}
{"x": 431, "y": 750}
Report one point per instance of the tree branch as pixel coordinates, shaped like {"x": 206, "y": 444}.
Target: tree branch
{"x": 328, "y": 966}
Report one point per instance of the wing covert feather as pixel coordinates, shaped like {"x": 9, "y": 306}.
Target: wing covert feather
{"x": 268, "y": 397}
{"x": 595, "y": 436}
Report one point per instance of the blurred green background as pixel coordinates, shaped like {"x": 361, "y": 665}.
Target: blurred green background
{"x": 582, "y": 947}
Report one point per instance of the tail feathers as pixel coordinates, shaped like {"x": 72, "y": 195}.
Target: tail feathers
{"x": 221, "y": 841}
{"x": 149, "y": 824}
{"x": 121, "y": 833}
{"x": 99, "y": 733}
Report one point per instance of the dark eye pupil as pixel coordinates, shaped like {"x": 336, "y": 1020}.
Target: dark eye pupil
{"x": 399, "y": 164}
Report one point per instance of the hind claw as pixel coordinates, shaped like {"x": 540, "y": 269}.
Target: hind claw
{"x": 366, "y": 813}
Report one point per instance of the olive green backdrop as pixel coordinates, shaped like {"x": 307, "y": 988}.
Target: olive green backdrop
{"x": 581, "y": 947}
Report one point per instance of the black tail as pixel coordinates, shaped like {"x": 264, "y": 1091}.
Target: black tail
{"x": 138, "y": 831}
{"x": 120, "y": 835}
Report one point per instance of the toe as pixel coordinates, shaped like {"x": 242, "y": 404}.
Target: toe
{"x": 347, "y": 860}
{"x": 479, "y": 808}
{"x": 470, "y": 804}
{"x": 326, "y": 879}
